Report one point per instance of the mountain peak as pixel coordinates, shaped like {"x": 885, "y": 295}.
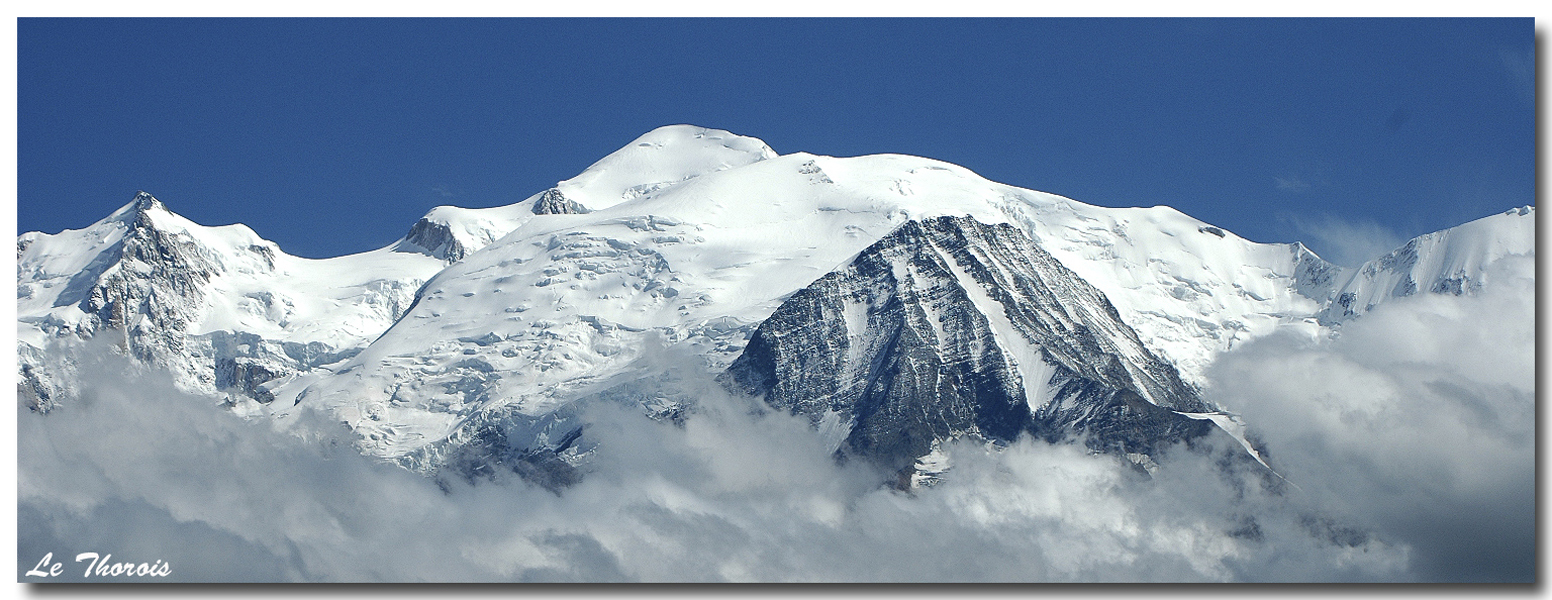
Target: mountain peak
{"x": 660, "y": 159}
{"x": 677, "y": 137}
{"x": 145, "y": 201}
{"x": 138, "y": 211}
{"x": 1449, "y": 261}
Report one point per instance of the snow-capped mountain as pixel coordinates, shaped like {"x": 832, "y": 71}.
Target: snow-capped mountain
{"x": 221, "y": 308}
{"x": 473, "y": 339}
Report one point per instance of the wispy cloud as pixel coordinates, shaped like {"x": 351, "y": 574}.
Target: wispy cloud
{"x": 1291, "y": 184}
{"x": 1521, "y": 68}
{"x": 1347, "y": 243}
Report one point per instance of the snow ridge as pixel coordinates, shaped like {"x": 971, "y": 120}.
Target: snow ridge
{"x": 1451, "y": 261}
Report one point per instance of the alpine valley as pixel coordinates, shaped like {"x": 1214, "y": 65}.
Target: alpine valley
{"x": 897, "y": 303}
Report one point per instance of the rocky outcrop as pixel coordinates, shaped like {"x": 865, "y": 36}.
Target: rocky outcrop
{"x": 152, "y": 279}
{"x": 436, "y": 239}
{"x": 552, "y": 202}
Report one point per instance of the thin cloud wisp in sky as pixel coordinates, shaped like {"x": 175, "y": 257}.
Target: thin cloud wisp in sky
{"x": 1346, "y": 243}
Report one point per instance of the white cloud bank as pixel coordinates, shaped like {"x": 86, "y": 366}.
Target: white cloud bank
{"x": 1409, "y": 437}
{"x": 1417, "y": 420}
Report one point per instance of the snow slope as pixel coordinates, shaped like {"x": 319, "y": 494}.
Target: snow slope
{"x": 451, "y": 233}
{"x": 658, "y": 160}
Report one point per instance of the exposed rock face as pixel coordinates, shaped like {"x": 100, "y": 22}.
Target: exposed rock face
{"x": 496, "y": 444}
{"x": 451, "y": 233}
{"x": 436, "y": 239}
{"x": 244, "y": 362}
{"x": 552, "y": 202}
{"x": 1313, "y": 277}
{"x": 950, "y": 327}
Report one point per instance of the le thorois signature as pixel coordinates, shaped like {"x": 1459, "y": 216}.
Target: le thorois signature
{"x": 101, "y": 566}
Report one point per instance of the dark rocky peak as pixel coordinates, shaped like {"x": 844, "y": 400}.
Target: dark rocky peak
{"x": 144, "y": 201}
{"x": 552, "y": 202}
{"x": 436, "y": 239}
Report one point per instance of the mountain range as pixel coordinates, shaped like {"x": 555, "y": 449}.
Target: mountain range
{"x": 896, "y": 301}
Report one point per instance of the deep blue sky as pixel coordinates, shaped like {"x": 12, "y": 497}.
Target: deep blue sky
{"x": 334, "y": 136}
